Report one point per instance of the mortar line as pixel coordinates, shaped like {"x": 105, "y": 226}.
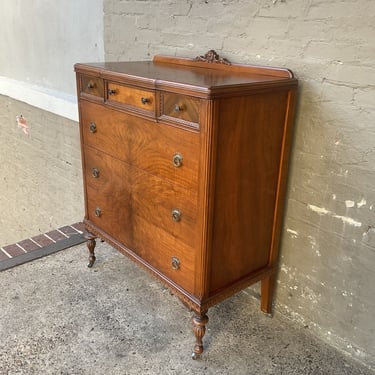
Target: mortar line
{"x": 46, "y": 235}
{"x": 62, "y": 233}
{"x": 17, "y": 244}
{"x": 36, "y": 243}
{"x": 6, "y": 253}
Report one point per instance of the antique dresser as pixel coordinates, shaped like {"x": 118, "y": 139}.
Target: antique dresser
{"x": 185, "y": 165}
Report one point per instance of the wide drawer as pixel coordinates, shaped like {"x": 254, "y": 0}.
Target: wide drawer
{"x": 105, "y": 130}
{"x": 131, "y": 97}
{"x": 164, "y": 204}
{"x": 91, "y": 85}
{"x": 108, "y": 194}
{"x": 162, "y": 150}
{"x": 180, "y": 108}
{"x": 166, "y": 152}
{"x": 167, "y": 254}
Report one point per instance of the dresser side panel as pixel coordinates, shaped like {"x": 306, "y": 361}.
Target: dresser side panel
{"x": 249, "y": 144}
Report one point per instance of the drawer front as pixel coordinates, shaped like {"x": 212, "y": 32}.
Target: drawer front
{"x": 168, "y": 206}
{"x": 105, "y": 129}
{"x": 167, "y": 152}
{"x": 91, "y": 85}
{"x": 163, "y": 251}
{"x": 103, "y": 171}
{"x": 139, "y": 99}
{"x": 108, "y": 194}
{"x": 180, "y": 107}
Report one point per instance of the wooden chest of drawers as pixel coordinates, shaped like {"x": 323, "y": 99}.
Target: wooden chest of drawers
{"x": 185, "y": 166}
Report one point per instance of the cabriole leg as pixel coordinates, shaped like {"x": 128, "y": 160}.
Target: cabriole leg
{"x": 200, "y": 321}
{"x": 91, "y": 243}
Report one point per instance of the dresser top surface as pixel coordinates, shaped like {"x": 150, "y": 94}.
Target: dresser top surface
{"x": 203, "y": 76}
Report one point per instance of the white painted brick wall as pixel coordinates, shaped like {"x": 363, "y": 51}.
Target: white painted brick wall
{"x": 328, "y": 258}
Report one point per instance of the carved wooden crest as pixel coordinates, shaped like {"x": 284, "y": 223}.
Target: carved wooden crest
{"x": 213, "y": 57}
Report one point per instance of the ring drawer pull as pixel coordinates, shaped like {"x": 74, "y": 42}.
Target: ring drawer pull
{"x": 175, "y": 263}
{"x": 177, "y": 160}
{"x": 178, "y": 108}
{"x": 176, "y": 215}
{"x": 145, "y": 100}
{"x": 91, "y": 85}
{"x": 95, "y": 172}
{"x": 98, "y": 212}
{"x": 92, "y": 127}
{"x": 112, "y": 91}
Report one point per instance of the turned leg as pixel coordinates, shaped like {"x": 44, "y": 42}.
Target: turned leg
{"x": 200, "y": 321}
{"x": 91, "y": 243}
{"x": 267, "y": 289}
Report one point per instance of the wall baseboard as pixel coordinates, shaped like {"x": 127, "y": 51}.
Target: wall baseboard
{"x": 57, "y": 102}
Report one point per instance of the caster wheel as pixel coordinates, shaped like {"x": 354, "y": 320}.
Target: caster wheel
{"x": 195, "y": 356}
{"x": 91, "y": 262}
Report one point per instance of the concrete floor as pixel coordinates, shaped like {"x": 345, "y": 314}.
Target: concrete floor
{"x": 59, "y": 317}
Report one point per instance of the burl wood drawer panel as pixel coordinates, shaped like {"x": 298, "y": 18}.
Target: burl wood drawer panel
{"x": 131, "y": 96}
{"x": 91, "y": 85}
{"x": 180, "y": 107}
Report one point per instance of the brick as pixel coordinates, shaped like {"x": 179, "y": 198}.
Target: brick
{"x": 28, "y": 245}
{"x": 340, "y": 10}
{"x": 355, "y": 75}
{"x": 3, "y": 256}
{"x": 69, "y": 230}
{"x": 55, "y": 235}
{"x": 364, "y": 98}
{"x": 13, "y": 250}
{"x": 42, "y": 240}
{"x": 79, "y": 227}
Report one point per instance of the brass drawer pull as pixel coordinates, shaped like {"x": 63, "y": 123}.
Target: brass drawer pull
{"x": 145, "y": 100}
{"x": 175, "y": 263}
{"x": 98, "y": 212}
{"x": 91, "y": 85}
{"x": 95, "y": 172}
{"x": 92, "y": 127}
{"x": 177, "y": 160}
{"x": 176, "y": 215}
{"x": 178, "y": 108}
{"x": 112, "y": 92}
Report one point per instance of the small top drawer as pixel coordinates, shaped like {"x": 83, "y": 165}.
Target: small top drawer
{"x": 92, "y": 86}
{"x": 180, "y": 107}
{"x": 131, "y": 96}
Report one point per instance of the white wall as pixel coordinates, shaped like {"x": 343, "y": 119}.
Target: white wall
{"x": 40, "y": 42}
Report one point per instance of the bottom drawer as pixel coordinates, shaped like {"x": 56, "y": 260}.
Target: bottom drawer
{"x": 170, "y": 256}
